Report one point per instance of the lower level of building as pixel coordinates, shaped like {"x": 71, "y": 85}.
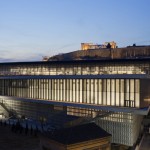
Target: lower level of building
{"x": 124, "y": 127}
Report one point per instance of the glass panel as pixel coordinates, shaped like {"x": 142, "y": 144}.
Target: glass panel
{"x": 74, "y": 90}
{"x": 117, "y": 92}
{"x": 77, "y": 90}
{"x": 137, "y": 93}
{"x": 122, "y": 92}
{"x": 95, "y": 90}
{"x": 112, "y": 92}
{"x": 104, "y": 91}
{"x": 108, "y": 91}
{"x": 88, "y": 90}
{"x": 100, "y": 91}
{"x": 80, "y": 84}
{"x": 137, "y": 87}
{"x": 92, "y": 90}
{"x": 131, "y": 89}
{"x": 127, "y": 89}
{"x": 71, "y": 90}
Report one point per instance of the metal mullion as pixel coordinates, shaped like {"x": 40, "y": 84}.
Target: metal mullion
{"x": 102, "y": 90}
{"x": 129, "y": 94}
{"x": 4, "y": 86}
{"x": 69, "y": 80}
{"x": 97, "y": 91}
{"x": 72, "y": 89}
{"x": 105, "y": 92}
{"x": 134, "y": 92}
{"x": 21, "y": 89}
{"x": 93, "y": 91}
{"x": 75, "y": 81}
{"x": 65, "y": 90}
{"x": 50, "y": 89}
{"x": 119, "y": 92}
{"x": 89, "y": 91}
{"x": 115, "y": 92}
{"x": 110, "y": 92}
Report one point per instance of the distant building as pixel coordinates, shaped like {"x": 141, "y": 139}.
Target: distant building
{"x": 86, "y": 136}
{"x": 45, "y": 58}
{"x": 113, "y": 44}
{"x": 87, "y": 46}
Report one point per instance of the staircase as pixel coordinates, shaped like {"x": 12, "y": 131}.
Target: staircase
{"x": 7, "y": 112}
{"x": 99, "y": 115}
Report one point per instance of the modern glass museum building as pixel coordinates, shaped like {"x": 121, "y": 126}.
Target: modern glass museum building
{"x": 115, "y": 93}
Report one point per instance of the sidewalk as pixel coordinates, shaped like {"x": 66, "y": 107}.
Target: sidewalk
{"x": 16, "y": 141}
{"x": 145, "y": 143}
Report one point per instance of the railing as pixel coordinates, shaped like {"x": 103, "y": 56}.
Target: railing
{"x": 99, "y": 115}
{"x": 6, "y": 108}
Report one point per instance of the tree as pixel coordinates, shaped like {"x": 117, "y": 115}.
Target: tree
{"x": 134, "y": 45}
{"x": 108, "y": 45}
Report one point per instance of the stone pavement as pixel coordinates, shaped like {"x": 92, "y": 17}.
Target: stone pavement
{"x": 16, "y": 141}
{"x": 145, "y": 143}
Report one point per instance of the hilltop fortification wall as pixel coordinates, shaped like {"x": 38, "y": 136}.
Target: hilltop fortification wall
{"x": 117, "y": 53}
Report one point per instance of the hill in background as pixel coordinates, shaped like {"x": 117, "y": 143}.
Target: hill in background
{"x": 130, "y": 52}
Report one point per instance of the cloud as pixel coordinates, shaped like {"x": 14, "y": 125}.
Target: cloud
{"x": 13, "y": 56}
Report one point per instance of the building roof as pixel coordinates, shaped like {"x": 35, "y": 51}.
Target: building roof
{"x": 141, "y": 59}
{"x": 139, "y": 111}
{"x": 102, "y": 76}
{"x": 77, "y": 134}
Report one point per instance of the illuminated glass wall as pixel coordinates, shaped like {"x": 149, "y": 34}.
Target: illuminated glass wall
{"x": 111, "y": 92}
{"x": 76, "y": 68}
{"x": 124, "y": 127}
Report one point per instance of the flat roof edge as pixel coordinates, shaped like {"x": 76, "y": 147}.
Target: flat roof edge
{"x": 137, "y": 111}
{"x": 99, "y": 76}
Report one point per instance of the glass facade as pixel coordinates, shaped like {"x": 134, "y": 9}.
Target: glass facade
{"x": 32, "y": 110}
{"x": 80, "y": 82}
{"x": 76, "y": 68}
{"x": 109, "y": 92}
{"x": 124, "y": 127}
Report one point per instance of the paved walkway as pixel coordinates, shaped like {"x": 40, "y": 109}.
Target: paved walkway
{"x": 16, "y": 141}
{"x": 145, "y": 144}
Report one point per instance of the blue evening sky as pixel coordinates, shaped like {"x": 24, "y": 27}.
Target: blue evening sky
{"x": 30, "y": 29}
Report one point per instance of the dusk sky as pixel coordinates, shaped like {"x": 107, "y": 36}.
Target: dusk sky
{"x": 30, "y": 29}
